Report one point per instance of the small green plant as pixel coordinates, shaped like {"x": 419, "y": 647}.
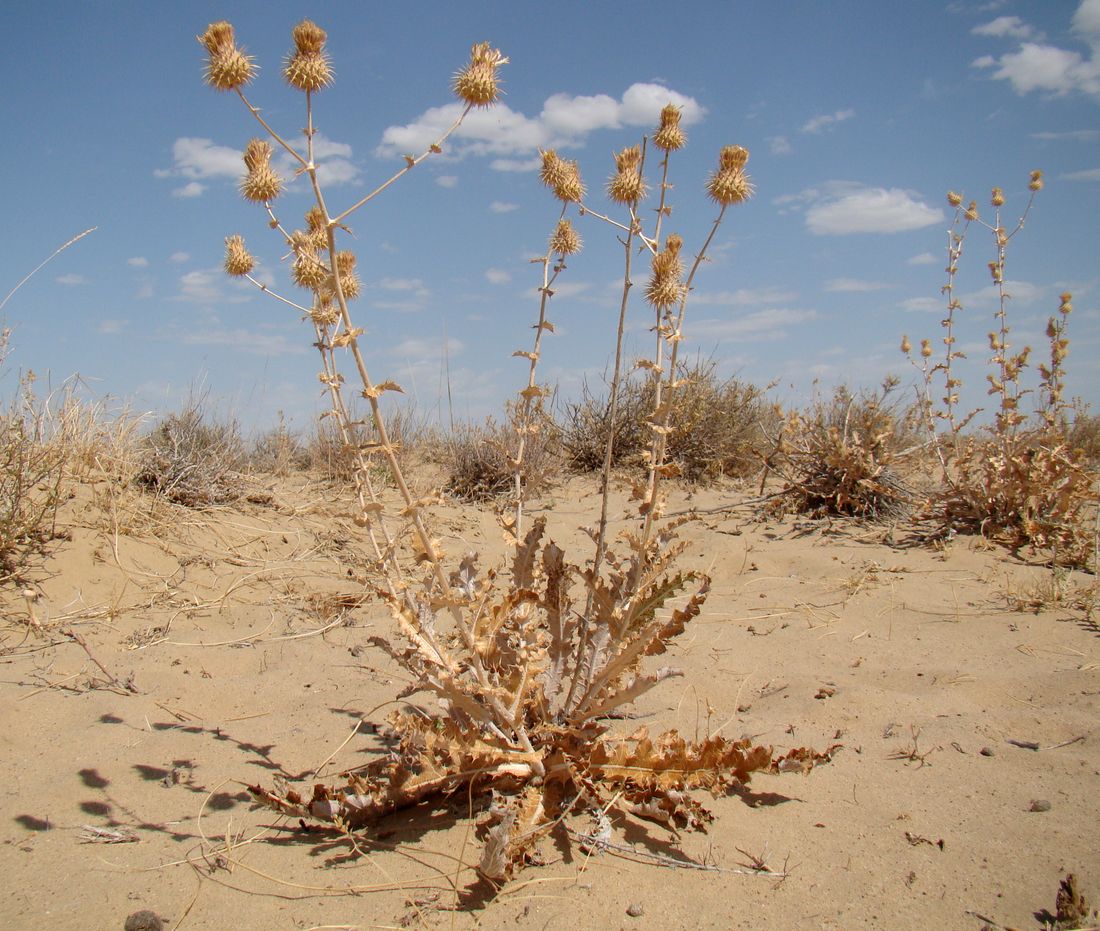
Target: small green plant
{"x": 525, "y": 665}
{"x": 1020, "y": 480}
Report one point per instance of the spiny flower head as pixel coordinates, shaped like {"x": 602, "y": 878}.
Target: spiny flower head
{"x": 237, "y": 260}
{"x": 626, "y": 185}
{"x": 307, "y": 67}
{"x": 307, "y": 270}
{"x": 925, "y": 348}
{"x": 478, "y": 83}
{"x": 669, "y": 136}
{"x": 954, "y": 199}
{"x": 317, "y": 235}
{"x": 260, "y": 185}
{"x": 562, "y": 176}
{"x": 227, "y": 67}
{"x": 1036, "y": 183}
{"x": 906, "y": 346}
{"x": 729, "y": 184}
{"x": 1066, "y": 306}
{"x": 565, "y": 240}
{"x": 997, "y": 198}
{"x": 665, "y": 289}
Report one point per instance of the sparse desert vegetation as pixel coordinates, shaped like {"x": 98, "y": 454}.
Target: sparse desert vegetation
{"x": 607, "y": 653}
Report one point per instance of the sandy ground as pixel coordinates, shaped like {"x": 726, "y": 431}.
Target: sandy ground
{"x": 230, "y": 646}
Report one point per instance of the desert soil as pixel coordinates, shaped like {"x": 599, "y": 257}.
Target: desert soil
{"x": 231, "y": 646}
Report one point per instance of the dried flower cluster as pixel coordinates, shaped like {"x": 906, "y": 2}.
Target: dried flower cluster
{"x": 307, "y": 67}
{"x": 562, "y": 176}
{"x": 478, "y": 83}
{"x": 626, "y": 185}
{"x": 227, "y": 67}
{"x": 729, "y": 184}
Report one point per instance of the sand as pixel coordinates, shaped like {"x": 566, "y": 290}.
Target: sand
{"x": 230, "y": 646}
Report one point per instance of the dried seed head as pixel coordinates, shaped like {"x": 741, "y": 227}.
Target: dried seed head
{"x": 309, "y": 38}
{"x": 565, "y": 240}
{"x": 237, "y": 260}
{"x": 308, "y": 271}
{"x": 669, "y": 136}
{"x": 315, "y": 219}
{"x": 227, "y": 67}
{"x": 954, "y": 199}
{"x": 324, "y": 312}
{"x": 996, "y": 271}
{"x": 317, "y": 236}
{"x": 997, "y": 198}
{"x": 665, "y": 289}
{"x": 345, "y": 262}
{"x": 925, "y": 348}
{"x": 906, "y": 346}
{"x": 729, "y": 184}
{"x": 1036, "y": 183}
{"x": 1066, "y": 307}
{"x": 626, "y": 185}
{"x": 307, "y": 67}
{"x": 972, "y": 210}
{"x": 261, "y": 186}
{"x": 257, "y": 154}
{"x": 562, "y": 176}
{"x": 478, "y": 83}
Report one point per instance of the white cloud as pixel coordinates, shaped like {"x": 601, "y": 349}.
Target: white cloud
{"x": 1045, "y": 68}
{"x": 825, "y": 120}
{"x": 845, "y": 207}
{"x": 497, "y": 276}
{"x": 516, "y": 164}
{"x": 512, "y": 136}
{"x": 744, "y": 297}
{"x": 179, "y": 257}
{"x": 72, "y": 280}
{"x": 1072, "y": 135}
{"x": 416, "y": 350}
{"x": 780, "y": 145}
{"x": 760, "y": 325}
{"x": 1011, "y": 26}
{"x": 1022, "y": 292}
{"x": 138, "y": 261}
{"x": 925, "y": 258}
{"x": 1089, "y": 174}
{"x": 447, "y": 180}
{"x": 196, "y": 158}
{"x": 111, "y": 327}
{"x": 854, "y": 285}
{"x": 1086, "y": 21}
{"x": 922, "y": 304}
{"x": 414, "y": 285}
{"x": 500, "y": 206}
{"x": 190, "y": 189}
{"x": 253, "y": 342}
{"x": 206, "y": 286}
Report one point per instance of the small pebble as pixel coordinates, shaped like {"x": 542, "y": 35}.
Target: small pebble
{"x": 144, "y": 920}
{"x": 986, "y": 751}
{"x": 635, "y": 910}
{"x": 1039, "y": 804}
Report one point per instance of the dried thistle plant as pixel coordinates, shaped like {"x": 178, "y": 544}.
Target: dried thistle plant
{"x": 1023, "y": 483}
{"x": 525, "y": 665}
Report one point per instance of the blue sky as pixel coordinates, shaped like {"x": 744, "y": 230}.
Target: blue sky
{"x": 860, "y": 116}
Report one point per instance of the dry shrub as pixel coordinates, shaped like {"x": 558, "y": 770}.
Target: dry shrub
{"x": 1029, "y": 489}
{"x": 716, "y": 426}
{"x": 337, "y": 461}
{"x": 480, "y": 465}
{"x": 1083, "y": 434}
{"x": 33, "y": 462}
{"x": 279, "y": 451}
{"x": 192, "y": 460}
{"x": 836, "y": 457}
